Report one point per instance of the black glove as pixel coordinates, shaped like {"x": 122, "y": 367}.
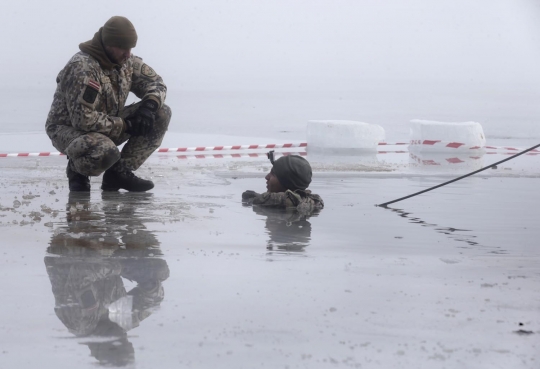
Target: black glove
{"x": 147, "y": 111}
{"x": 149, "y": 104}
{"x": 249, "y": 195}
{"x": 142, "y": 121}
{"x": 136, "y": 126}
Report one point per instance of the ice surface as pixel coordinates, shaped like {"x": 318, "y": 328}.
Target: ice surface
{"x": 443, "y": 279}
{"x": 343, "y": 135}
{"x": 354, "y": 284}
{"x": 446, "y": 137}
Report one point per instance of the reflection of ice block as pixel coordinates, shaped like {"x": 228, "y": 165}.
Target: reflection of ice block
{"x": 120, "y": 312}
{"x": 437, "y": 161}
{"x": 343, "y": 135}
{"x": 431, "y": 136}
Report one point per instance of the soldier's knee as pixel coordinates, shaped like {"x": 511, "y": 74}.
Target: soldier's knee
{"x": 100, "y": 162}
{"x": 93, "y": 154}
{"x": 164, "y": 114}
{"x": 108, "y": 158}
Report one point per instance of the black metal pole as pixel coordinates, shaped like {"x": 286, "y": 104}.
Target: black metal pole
{"x": 457, "y": 179}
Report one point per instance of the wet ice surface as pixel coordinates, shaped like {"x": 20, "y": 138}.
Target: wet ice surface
{"x": 187, "y": 276}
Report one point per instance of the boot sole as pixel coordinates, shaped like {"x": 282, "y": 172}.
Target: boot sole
{"x": 112, "y": 189}
{"x": 109, "y": 189}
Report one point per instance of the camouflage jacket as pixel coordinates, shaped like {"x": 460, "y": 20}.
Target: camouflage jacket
{"x": 303, "y": 200}
{"x": 91, "y": 99}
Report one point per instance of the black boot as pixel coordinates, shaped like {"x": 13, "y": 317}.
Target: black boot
{"x": 77, "y": 182}
{"x": 115, "y": 180}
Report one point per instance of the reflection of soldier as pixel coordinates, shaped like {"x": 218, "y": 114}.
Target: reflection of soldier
{"x": 288, "y": 230}
{"x": 112, "y": 228}
{"x": 90, "y": 257}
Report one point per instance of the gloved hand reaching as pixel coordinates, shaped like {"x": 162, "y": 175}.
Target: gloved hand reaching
{"x": 142, "y": 121}
{"x": 249, "y": 195}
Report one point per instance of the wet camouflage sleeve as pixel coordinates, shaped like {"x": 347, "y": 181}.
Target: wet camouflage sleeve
{"x": 79, "y": 84}
{"x": 301, "y": 200}
{"x": 146, "y": 83}
{"x": 273, "y": 199}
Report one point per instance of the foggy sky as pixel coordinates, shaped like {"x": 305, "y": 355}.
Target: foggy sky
{"x": 290, "y": 44}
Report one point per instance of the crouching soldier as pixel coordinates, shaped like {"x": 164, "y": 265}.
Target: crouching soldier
{"x": 88, "y": 118}
{"x": 286, "y": 186}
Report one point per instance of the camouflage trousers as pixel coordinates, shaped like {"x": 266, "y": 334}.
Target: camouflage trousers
{"x": 92, "y": 153}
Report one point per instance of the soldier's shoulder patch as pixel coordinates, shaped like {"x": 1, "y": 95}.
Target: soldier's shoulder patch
{"x": 91, "y": 91}
{"x": 93, "y": 84}
{"x": 147, "y": 71}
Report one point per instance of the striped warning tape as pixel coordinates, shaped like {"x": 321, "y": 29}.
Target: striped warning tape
{"x": 454, "y": 160}
{"x": 392, "y": 152}
{"x": 457, "y": 145}
{"x": 283, "y": 146}
{"x": 181, "y": 149}
{"x": 450, "y": 145}
{"x": 25, "y": 154}
{"x": 532, "y": 152}
{"x": 236, "y": 156}
{"x": 255, "y": 155}
{"x": 451, "y": 160}
{"x": 511, "y": 149}
{"x": 232, "y": 147}
{"x": 304, "y": 153}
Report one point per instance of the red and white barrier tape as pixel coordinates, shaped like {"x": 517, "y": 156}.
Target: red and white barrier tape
{"x": 183, "y": 149}
{"x": 532, "y": 152}
{"x": 457, "y": 145}
{"x": 232, "y": 147}
{"x": 286, "y": 146}
{"x": 453, "y": 160}
{"x": 26, "y": 154}
{"x": 509, "y": 149}
{"x": 236, "y": 156}
{"x": 450, "y": 145}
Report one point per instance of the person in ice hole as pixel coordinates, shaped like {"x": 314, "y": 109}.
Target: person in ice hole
{"x": 286, "y": 186}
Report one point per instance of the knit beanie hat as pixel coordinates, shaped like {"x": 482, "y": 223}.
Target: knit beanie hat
{"x": 293, "y": 172}
{"x": 120, "y": 32}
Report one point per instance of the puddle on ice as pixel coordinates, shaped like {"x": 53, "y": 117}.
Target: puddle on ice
{"x": 188, "y": 276}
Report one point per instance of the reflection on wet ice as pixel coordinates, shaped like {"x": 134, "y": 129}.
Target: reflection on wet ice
{"x": 446, "y": 161}
{"x": 451, "y": 232}
{"x": 288, "y": 230}
{"x": 88, "y": 259}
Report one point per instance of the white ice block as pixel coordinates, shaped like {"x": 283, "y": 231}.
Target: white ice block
{"x": 343, "y": 135}
{"x": 432, "y": 136}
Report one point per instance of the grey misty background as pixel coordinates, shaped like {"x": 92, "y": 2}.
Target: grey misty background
{"x": 263, "y": 68}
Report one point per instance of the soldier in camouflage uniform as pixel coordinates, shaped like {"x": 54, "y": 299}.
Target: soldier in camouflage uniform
{"x": 286, "y": 186}
{"x": 88, "y": 118}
